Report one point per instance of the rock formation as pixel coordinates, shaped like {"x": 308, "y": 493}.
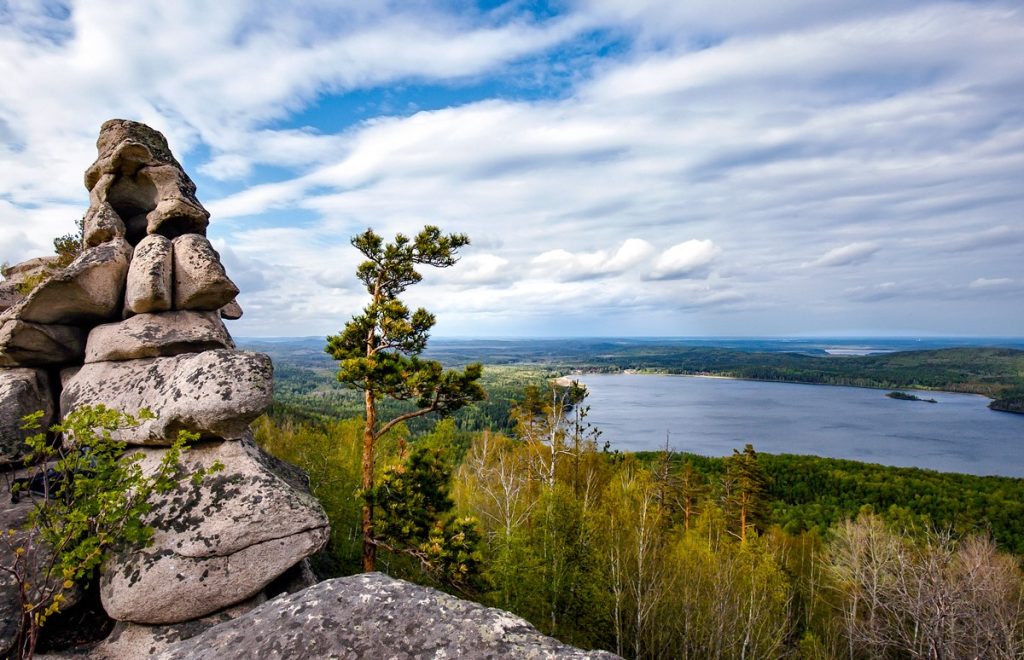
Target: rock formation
{"x": 135, "y": 322}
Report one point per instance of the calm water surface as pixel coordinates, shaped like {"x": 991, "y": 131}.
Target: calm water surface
{"x": 712, "y": 416}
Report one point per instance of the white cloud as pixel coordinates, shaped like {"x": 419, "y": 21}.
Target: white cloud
{"x": 876, "y": 292}
{"x": 686, "y": 259}
{"x": 846, "y": 255}
{"x": 478, "y": 269}
{"x": 567, "y": 266}
{"x": 991, "y": 283}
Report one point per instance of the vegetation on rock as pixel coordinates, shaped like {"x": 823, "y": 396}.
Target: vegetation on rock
{"x": 90, "y": 498}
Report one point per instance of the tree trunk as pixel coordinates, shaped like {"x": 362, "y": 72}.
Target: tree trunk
{"x": 369, "y": 549}
{"x": 743, "y": 524}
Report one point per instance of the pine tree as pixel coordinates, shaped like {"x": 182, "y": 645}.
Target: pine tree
{"x": 747, "y": 485}
{"x": 379, "y": 349}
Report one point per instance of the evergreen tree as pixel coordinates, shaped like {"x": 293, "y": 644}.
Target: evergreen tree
{"x": 747, "y": 484}
{"x": 379, "y": 349}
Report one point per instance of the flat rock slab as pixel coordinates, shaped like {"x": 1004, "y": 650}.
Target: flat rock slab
{"x": 373, "y": 616}
{"x": 89, "y": 290}
{"x": 215, "y": 394}
{"x": 22, "y": 392}
{"x": 24, "y": 344}
{"x": 216, "y": 543}
{"x": 157, "y": 335}
{"x": 150, "y": 276}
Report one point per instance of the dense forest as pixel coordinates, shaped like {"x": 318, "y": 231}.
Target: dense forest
{"x": 663, "y": 554}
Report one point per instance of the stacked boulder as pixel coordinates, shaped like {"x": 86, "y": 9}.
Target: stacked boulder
{"x": 135, "y": 321}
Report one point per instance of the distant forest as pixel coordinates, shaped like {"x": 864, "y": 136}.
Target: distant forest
{"x": 306, "y": 386}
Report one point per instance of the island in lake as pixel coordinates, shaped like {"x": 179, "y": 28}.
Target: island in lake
{"x": 904, "y": 396}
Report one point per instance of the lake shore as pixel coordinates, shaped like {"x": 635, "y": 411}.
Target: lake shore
{"x": 714, "y": 415}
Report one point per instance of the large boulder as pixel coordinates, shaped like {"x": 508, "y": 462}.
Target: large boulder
{"x": 149, "y": 287}
{"x": 199, "y": 278}
{"x": 36, "y": 344}
{"x": 89, "y": 290}
{"x": 215, "y": 394}
{"x": 136, "y": 174}
{"x": 22, "y": 392}
{"x": 373, "y": 616}
{"x": 216, "y": 543}
{"x": 157, "y": 335}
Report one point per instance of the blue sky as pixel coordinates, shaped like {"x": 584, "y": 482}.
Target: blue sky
{"x": 623, "y": 167}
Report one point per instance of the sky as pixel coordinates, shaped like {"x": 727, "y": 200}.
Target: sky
{"x": 623, "y": 168}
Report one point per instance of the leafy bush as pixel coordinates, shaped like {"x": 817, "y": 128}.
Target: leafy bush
{"x": 93, "y": 502}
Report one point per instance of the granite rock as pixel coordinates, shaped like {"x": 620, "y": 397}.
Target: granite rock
{"x": 135, "y": 640}
{"x": 102, "y": 224}
{"x": 10, "y": 296}
{"x": 215, "y": 393}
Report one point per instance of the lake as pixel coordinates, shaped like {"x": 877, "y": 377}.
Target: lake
{"x": 712, "y": 416}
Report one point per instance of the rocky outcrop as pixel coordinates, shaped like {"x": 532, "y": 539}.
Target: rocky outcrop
{"x": 22, "y": 392}
{"x": 150, "y": 276}
{"x": 222, "y": 541}
{"x": 373, "y": 616}
{"x": 157, "y": 335}
{"x": 215, "y": 393}
{"x": 140, "y": 327}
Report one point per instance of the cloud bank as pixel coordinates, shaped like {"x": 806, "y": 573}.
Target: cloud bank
{"x": 622, "y": 168}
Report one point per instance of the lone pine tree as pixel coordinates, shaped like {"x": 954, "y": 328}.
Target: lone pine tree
{"x": 379, "y": 349}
